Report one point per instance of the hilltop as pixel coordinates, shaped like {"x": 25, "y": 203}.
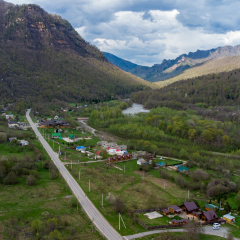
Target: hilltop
{"x": 42, "y": 58}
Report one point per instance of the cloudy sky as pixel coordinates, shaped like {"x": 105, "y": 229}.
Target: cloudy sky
{"x": 146, "y": 32}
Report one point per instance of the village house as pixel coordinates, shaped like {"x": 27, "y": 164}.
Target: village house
{"x": 23, "y": 142}
{"x": 209, "y": 216}
{"x": 165, "y": 212}
{"x": 81, "y": 149}
{"x": 189, "y": 207}
{"x": 56, "y": 135}
{"x": 229, "y": 218}
{"x": 175, "y": 209}
{"x": 141, "y": 162}
{"x": 13, "y": 124}
{"x": 12, "y": 138}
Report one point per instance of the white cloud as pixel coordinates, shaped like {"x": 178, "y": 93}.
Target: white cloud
{"x": 146, "y": 32}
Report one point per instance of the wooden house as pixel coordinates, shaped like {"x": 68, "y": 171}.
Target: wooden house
{"x": 178, "y": 222}
{"x": 165, "y": 212}
{"x": 197, "y": 214}
{"x": 129, "y": 156}
{"x": 175, "y": 209}
{"x": 189, "y": 207}
{"x": 209, "y": 216}
{"x": 209, "y": 207}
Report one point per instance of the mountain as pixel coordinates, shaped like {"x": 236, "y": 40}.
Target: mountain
{"x": 42, "y": 58}
{"x": 169, "y": 69}
{"x": 119, "y": 62}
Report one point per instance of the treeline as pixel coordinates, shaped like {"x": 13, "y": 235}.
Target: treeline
{"x": 213, "y": 95}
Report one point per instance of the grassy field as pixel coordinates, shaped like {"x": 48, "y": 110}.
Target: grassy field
{"x": 135, "y": 192}
{"x": 21, "y": 204}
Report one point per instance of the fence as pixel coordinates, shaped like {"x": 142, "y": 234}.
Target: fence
{"x": 165, "y": 226}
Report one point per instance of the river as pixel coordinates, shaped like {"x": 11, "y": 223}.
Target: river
{"x": 136, "y": 108}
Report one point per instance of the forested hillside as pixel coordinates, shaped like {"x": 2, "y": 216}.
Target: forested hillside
{"x": 215, "y": 95}
{"x": 43, "y": 58}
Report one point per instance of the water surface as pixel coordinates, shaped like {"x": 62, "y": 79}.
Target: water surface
{"x": 136, "y": 108}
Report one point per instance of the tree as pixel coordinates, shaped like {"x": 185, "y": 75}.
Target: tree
{"x": 3, "y": 137}
{"x": 226, "y": 139}
{"x": 193, "y": 230}
{"x": 119, "y": 206}
{"x": 191, "y": 134}
{"x": 36, "y": 226}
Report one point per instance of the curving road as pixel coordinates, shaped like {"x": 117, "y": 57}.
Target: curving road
{"x": 97, "y": 218}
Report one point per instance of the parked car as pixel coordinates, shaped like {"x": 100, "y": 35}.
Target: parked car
{"x": 216, "y": 228}
{"x": 217, "y": 225}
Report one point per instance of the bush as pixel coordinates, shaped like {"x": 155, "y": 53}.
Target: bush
{"x": 119, "y": 206}
{"x": 10, "y": 179}
{"x": 31, "y": 180}
{"x": 34, "y": 173}
{"x": 46, "y": 164}
{"x": 73, "y": 202}
{"x": 3, "y": 137}
{"x": 36, "y": 226}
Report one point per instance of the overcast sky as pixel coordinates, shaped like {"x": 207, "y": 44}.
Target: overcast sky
{"x": 146, "y": 32}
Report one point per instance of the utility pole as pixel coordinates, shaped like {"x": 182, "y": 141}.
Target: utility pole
{"x": 164, "y": 184}
{"x": 124, "y": 168}
{"x": 89, "y": 185}
{"x": 79, "y": 174}
{"x": 119, "y": 221}
{"x": 188, "y": 193}
{"x": 102, "y": 199}
{"x": 71, "y": 164}
{"x": 65, "y": 156}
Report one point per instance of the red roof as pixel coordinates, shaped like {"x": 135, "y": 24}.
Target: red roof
{"x": 98, "y": 152}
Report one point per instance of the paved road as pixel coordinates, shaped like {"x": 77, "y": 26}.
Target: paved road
{"x": 99, "y": 221}
{"x": 207, "y": 230}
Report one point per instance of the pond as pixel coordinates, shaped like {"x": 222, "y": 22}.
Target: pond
{"x": 136, "y": 108}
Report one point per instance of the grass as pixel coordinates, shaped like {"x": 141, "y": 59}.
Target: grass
{"x": 135, "y": 192}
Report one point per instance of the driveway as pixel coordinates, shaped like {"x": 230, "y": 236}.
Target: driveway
{"x": 222, "y": 232}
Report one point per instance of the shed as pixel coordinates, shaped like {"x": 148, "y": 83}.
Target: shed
{"x": 209, "y": 207}
{"x": 23, "y": 142}
{"x": 12, "y": 138}
{"x": 141, "y": 161}
{"x": 183, "y": 168}
{"x": 56, "y": 135}
{"x": 229, "y": 218}
{"x": 71, "y": 136}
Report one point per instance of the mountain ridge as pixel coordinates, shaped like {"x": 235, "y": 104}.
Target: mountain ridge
{"x": 42, "y": 58}
{"x": 171, "y": 68}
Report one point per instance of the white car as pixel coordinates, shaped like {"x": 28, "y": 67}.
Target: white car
{"x": 217, "y": 225}
{"x": 215, "y": 228}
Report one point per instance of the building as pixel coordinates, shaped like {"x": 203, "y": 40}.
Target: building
{"x": 81, "y": 149}
{"x": 209, "y": 207}
{"x": 12, "y": 124}
{"x": 209, "y": 216}
{"x": 161, "y": 164}
{"x": 165, "y": 212}
{"x": 23, "y": 142}
{"x": 189, "y": 207}
{"x": 175, "y": 209}
{"x": 182, "y": 169}
{"x": 141, "y": 162}
{"x": 178, "y": 222}
{"x": 229, "y": 218}
{"x": 12, "y": 138}
{"x": 56, "y": 135}
{"x": 71, "y": 136}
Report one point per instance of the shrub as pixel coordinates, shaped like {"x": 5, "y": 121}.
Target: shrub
{"x": 36, "y": 226}
{"x": 119, "y": 206}
{"x": 34, "y": 173}
{"x": 73, "y": 201}
{"x": 10, "y": 179}
{"x": 31, "y": 180}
